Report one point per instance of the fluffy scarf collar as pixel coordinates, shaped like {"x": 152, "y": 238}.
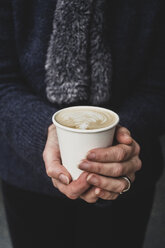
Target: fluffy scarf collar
{"x": 78, "y": 64}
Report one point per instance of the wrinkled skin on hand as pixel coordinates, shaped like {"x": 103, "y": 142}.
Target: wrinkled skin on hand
{"x": 103, "y": 168}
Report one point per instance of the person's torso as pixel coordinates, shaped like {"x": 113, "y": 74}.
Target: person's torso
{"x": 130, "y": 34}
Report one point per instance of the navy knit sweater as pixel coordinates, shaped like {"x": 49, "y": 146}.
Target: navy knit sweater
{"x": 136, "y": 34}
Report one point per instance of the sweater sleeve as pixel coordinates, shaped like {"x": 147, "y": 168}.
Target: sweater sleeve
{"x": 24, "y": 117}
{"x": 143, "y": 111}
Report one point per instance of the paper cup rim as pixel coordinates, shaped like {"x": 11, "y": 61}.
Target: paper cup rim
{"x": 82, "y": 130}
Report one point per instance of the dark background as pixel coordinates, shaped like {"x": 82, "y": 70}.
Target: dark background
{"x": 155, "y": 236}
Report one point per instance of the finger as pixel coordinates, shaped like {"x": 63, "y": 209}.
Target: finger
{"x": 118, "y": 153}
{"x": 90, "y": 196}
{"x": 112, "y": 169}
{"x": 123, "y": 135}
{"x": 106, "y": 195}
{"x": 55, "y": 182}
{"x": 108, "y": 184}
{"x": 75, "y": 188}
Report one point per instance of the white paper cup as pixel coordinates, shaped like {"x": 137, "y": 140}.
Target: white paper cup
{"x": 75, "y": 143}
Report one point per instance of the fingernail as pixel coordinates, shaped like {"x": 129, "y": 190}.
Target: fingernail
{"x": 91, "y": 156}
{"x": 88, "y": 178}
{"x": 97, "y": 191}
{"x": 92, "y": 179}
{"x": 64, "y": 179}
{"x": 84, "y": 166}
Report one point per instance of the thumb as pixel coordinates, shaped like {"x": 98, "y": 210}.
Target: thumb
{"x": 54, "y": 168}
{"x": 57, "y": 171}
{"x": 52, "y": 159}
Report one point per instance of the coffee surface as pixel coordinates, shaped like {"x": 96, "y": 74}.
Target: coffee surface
{"x": 85, "y": 118}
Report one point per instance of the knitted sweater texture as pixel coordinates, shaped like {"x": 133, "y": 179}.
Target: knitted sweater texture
{"x": 79, "y": 64}
{"x": 136, "y": 34}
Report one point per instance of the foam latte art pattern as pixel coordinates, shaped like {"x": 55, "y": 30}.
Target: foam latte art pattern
{"x": 85, "y": 119}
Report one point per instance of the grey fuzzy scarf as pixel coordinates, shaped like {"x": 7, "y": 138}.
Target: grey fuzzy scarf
{"x": 78, "y": 65}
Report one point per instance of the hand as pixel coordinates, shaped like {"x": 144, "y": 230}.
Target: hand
{"x": 107, "y": 166}
{"x": 60, "y": 176}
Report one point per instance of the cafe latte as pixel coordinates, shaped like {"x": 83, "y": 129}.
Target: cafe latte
{"x": 85, "y": 118}
{"x": 80, "y": 129}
